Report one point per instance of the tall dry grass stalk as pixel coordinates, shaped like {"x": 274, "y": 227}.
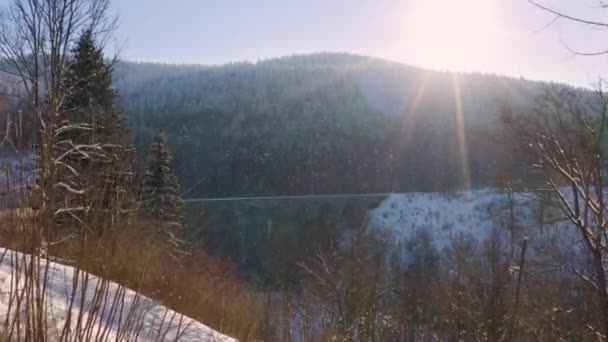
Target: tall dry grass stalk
{"x": 42, "y": 300}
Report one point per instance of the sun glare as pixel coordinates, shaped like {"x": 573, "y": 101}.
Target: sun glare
{"x": 450, "y": 34}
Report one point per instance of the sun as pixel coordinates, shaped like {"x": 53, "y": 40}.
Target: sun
{"x": 451, "y": 34}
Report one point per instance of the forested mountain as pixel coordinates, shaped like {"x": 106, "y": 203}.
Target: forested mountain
{"x": 323, "y": 123}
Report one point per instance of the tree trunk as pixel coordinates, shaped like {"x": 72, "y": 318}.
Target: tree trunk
{"x": 602, "y": 294}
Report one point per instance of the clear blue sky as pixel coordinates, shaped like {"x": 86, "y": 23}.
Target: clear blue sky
{"x": 497, "y": 36}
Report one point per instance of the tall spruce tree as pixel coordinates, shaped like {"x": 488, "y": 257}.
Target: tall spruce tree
{"x": 91, "y": 99}
{"x": 93, "y": 124}
{"x": 161, "y": 200}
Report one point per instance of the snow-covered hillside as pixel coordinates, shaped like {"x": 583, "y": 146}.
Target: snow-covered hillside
{"x": 474, "y": 214}
{"x": 112, "y": 312}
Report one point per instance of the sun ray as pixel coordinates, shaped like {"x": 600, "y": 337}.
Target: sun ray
{"x": 460, "y": 130}
{"x": 407, "y": 125}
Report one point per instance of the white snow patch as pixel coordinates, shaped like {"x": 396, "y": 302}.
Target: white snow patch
{"x": 474, "y": 213}
{"x": 142, "y": 319}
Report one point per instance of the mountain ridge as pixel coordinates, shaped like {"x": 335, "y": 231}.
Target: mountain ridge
{"x": 331, "y": 122}
{"x": 345, "y": 56}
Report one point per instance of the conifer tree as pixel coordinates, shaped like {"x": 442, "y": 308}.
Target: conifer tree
{"x": 94, "y": 130}
{"x": 161, "y": 200}
{"x": 89, "y": 78}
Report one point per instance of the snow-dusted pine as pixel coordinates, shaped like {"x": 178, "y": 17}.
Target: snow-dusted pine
{"x": 161, "y": 200}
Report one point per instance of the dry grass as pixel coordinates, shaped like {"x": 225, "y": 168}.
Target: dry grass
{"x": 195, "y": 284}
{"x": 140, "y": 258}
{"x": 32, "y": 312}
{"x": 207, "y": 289}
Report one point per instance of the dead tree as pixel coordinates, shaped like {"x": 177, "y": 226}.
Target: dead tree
{"x": 563, "y": 138}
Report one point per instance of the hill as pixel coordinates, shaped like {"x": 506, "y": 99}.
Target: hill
{"x": 325, "y": 123}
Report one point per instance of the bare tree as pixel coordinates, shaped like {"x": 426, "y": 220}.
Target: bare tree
{"x": 35, "y": 39}
{"x": 563, "y": 138}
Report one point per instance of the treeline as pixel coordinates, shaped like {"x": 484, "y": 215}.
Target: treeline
{"x": 324, "y": 123}
{"x": 321, "y": 123}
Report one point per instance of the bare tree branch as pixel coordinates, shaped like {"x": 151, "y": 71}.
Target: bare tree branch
{"x": 561, "y": 15}
{"x": 568, "y": 17}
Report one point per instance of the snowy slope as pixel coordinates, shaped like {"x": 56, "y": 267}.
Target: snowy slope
{"x": 442, "y": 214}
{"x": 136, "y": 317}
{"x": 474, "y": 214}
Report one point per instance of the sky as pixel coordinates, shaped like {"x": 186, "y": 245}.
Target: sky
{"x": 508, "y": 37}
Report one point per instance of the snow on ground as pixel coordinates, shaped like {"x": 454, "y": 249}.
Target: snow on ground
{"x": 473, "y": 213}
{"x": 135, "y": 318}
{"x": 442, "y": 214}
